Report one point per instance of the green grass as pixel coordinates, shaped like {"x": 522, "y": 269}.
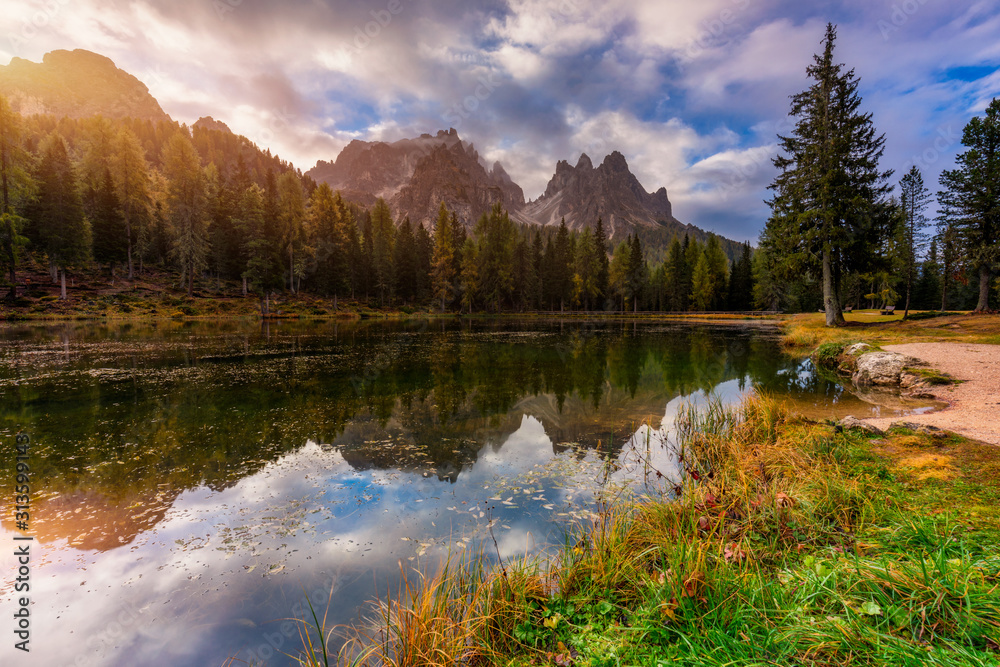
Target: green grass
{"x": 789, "y": 544}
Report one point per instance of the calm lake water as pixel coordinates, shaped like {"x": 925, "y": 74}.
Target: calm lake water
{"x": 192, "y": 483}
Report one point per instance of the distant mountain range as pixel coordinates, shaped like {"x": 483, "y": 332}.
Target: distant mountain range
{"x": 413, "y": 175}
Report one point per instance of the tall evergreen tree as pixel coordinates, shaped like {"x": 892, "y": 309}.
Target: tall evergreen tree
{"x": 405, "y": 260}
{"x": 914, "y": 198}
{"x": 970, "y": 198}
{"x": 741, "y": 281}
{"x": 602, "y": 279}
{"x": 107, "y": 224}
{"x": 562, "y": 274}
{"x": 637, "y": 273}
{"x": 424, "y": 252}
{"x": 497, "y": 237}
{"x": 291, "y": 215}
{"x": 14, "y": 186}
{"x": 383, "y": 243}
{"x": 470, "y": 274}
{"x": 443, "y": 280}
{"x": 186, "y": 204}
{"x": 829, "y": 191}
{"x": 676, "y": 270}
{"x": 56, "y": 216}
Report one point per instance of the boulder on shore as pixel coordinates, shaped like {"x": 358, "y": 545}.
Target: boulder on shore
{"x": 850, "y": 422}
{"x": 880, "y": 368}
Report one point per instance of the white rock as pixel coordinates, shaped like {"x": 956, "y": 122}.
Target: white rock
{"x": 880, "y": 368}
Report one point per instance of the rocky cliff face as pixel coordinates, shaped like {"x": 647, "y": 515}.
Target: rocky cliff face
{"x": 582, "y": 194}
{"x": 415, "y": 175}
{"x": 209, "y": 123}
{"x": 76, "y": 84}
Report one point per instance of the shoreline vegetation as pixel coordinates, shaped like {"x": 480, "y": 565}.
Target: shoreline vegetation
{"x": 787, "y": 541}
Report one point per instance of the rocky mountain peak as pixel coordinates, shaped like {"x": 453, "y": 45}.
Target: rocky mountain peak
{"x": 415, "y": 175}
{"x": 76, "y": 84}
{"x": 616, "y": 162}
{"x": 582, "y": 194}
{"x": 209, "y": 123}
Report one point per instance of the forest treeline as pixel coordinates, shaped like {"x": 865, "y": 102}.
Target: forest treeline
{"x": 124, "y": 195}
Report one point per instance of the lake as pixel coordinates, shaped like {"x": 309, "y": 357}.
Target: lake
{"x": 193, "y": 482}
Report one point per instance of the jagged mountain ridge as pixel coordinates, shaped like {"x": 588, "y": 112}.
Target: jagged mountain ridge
{"x": 77, "y": 84}
{"x": 415, "y": 175}
{"x": 582, "y": 194}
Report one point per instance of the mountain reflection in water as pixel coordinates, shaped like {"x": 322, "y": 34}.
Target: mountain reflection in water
{"x": 194, "y": 480}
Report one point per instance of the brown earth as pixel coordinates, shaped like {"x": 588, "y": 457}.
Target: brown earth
{"x": 973, "y": 404}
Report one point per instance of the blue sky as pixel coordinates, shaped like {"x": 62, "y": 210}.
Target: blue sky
{"x": 692, "y": 93}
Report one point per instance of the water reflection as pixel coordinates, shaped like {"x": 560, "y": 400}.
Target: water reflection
{"x": 192, "y": 481}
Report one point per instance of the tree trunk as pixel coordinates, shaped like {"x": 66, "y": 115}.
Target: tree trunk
{"x": 128, "y": 233}
{"x": 984, "y": 289}
{"x": 244, "y": 285}
{"x": 291, "y": 269}
{"x": 831, "y": 304}
{"x": 53, "y": 271}
{"x": 909, "y": 285}
{"x": 191, "y": 281}
{"x": 62, "y": 289}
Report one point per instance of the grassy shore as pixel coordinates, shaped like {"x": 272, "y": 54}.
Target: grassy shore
{"x": 807, "y": 331}
{"x": 788, "y": 542}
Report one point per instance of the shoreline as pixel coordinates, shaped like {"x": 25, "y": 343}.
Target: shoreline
{"x": 973, "y": 403}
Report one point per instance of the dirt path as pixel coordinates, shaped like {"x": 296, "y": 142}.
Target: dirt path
{"x": 974, "y": 405}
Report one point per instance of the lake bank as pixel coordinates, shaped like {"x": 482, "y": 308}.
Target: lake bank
{"x": 789, "y": 542}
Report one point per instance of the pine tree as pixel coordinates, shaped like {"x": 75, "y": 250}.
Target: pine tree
{"x": 637, "y": 273}
{"x": 718, "y": 269}
{"x": 57, "y": 214}
{"x": 444, "y": 258}
{"x": 186, "y": 203}
{"x": 621, "y": 262}
{"x": 327, "y": 233}
{"x": 741, "y": 281}
{"x": 586, "y": 269}
{"x": 291, "y": 215}
{"x": 260, "y": 270}
{"x": 602, "y": 279}
{"x": 497, "y": 237}
{"x": 970, "y": 198}
{"x": 470, "y": 274}
{"x": 676, "y": 270}
{"x": 563, "y": 268}
{"x": 703, "y": 287}
{"x": 405, "y": 259}
{"x": 424, "y": 253}
{"x": 108, "y": 224}
{"x": 383, "y": 242}
{"x": 914, "y": 198}
{"x": 14, "y": 186}
{"x": 692, "y": 253}
{"x": 829, "y": 193}
{"x": 537, "y": 259}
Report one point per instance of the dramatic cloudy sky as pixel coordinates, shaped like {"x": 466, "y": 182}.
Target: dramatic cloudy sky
{"x": 691, "y": 91}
